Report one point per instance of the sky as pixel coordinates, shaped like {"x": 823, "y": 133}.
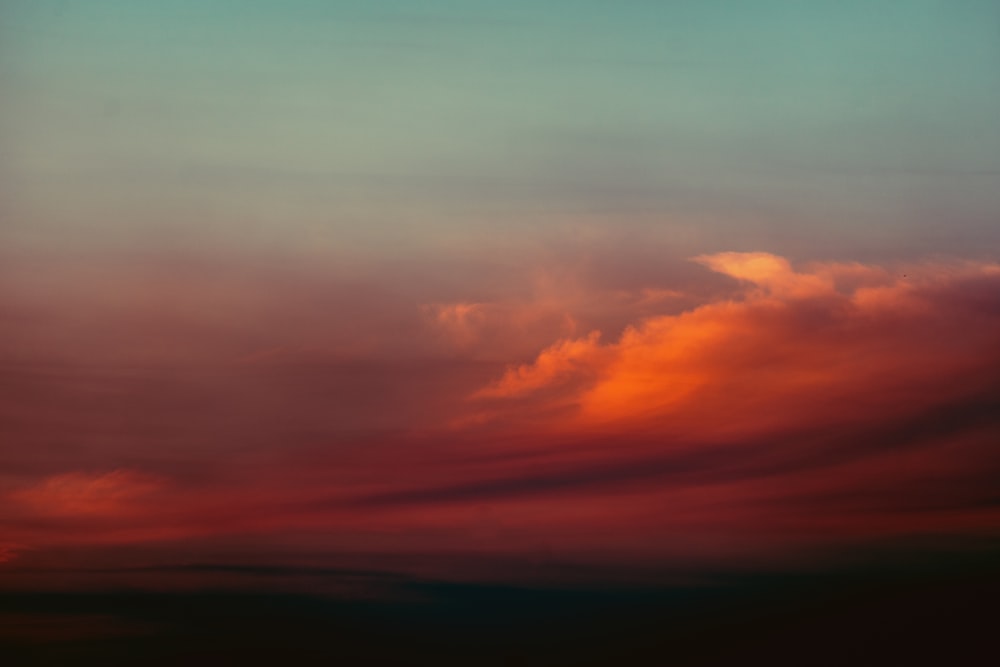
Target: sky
{"x": 555, "y": 293}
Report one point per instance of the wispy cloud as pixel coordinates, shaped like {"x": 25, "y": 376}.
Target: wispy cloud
{"x": 83, "y": 494}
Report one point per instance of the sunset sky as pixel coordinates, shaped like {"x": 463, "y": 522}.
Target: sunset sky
{"x": 534, "y": 293}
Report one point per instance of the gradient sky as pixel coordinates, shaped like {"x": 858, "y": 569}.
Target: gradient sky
{"x": 385, "y": 128}
{"x": 644, "y": 286}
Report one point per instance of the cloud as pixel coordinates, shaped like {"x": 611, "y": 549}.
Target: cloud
{"x": 460, "y": 320}
{"x": 794, "y": 407}
{"x": 767, "y": 271}
{"x": 790, "y": 346}
{"x": 564, "y": 359}
{"x": 514, "y": 322}
{"x": 560, "y": 302}
{"x": 83, "y": 494}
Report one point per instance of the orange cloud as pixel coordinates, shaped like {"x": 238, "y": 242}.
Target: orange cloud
{"x": 789, "y": 346}
{"x": 565, "y": 358}
{"x": 769, "y": 272}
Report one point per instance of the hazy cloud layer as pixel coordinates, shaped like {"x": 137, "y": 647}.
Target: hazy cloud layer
{"x": 802, "y": 410}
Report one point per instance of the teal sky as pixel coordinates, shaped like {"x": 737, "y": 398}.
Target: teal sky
{"x": 815, "y": 129}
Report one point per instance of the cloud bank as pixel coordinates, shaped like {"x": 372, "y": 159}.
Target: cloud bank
{"x": 806, "y": 409}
